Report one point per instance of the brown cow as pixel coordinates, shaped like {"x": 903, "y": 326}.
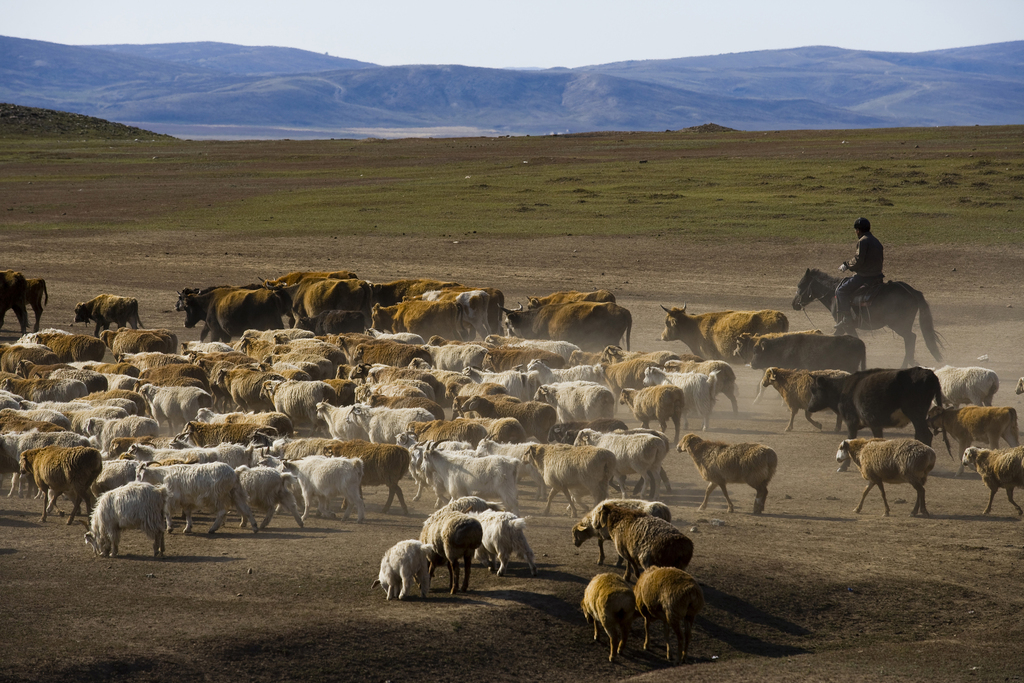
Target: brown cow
{"x": 391, "y": 293}
{"x": 312, "y": 297}
{"x": 746, "y": 342}
{"x": 589, "y": 325}
{"x": 714, "y": 335}
{"x": 425, "y": 318}
{"x": 12, "y": 295}
{"x": 570, "y": 296}
{"x": 36, "y": 297}
{"x": 481, "y": 306}
{"x": 107, "y": 309}
{"x": 297, "y": 276}
{"x": 230, "y": 311}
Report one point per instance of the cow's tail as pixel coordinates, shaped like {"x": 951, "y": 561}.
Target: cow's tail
{"x": 46, "y": 295}
{"x": 135, "y": 311}
{"x": 629, "y": 328}
{"x": 931, "y": 338}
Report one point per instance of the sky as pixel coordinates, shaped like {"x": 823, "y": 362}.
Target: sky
{"x": 523, "y": 33}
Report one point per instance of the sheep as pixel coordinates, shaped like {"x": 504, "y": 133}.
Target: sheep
{"x": 409, "y": 338}
{"x": 538, "y": 373}
{"x": 232, "y": 454}
{"x": 674, "y": 597}
{"x": 698, "y": 390}
{"x": 663, "y": 402}
{"x": 299, "y": 400}
{"x": 795, "y": 388}
{"x": 405, "y": 563}
{"x": 536, "y": 418}
{"x": 967, "y": 385}
{"x": 565, "y": 432}
{"x": 244, "y": 386}
{"x": 265, "y": 489}
{"x": 451, "y": 536}
{"x": 643, "y": 540}
{"x": 455, "y": 474}
{"x": 205, "y": 347}
{"x": 720, "y": 463}
{"x": 73, "y": 347}
{"x": 134, "y": 505}
{"x": 115, "y": 473}
{"x": 103, "y": 431}
{"x": 14, "y": 444}
{"x": 501, "y": 359}
{"x": 518, "y": 451}
{"x": 628, "y": 374}
{"x": 459, "y": 429}
{"x": 277, "y": 421}
{"x": 456, "y": 357}
{"x": 392, "y": 353}
{"x": 121, "y": 341}
{"x": 102, "y": 398}
{"x": 93, "y": 381}
{"x": 201, "y": 434}
{"x": 191, "y": 487}
{"x": 562, "y": 348}
{"x": 566, "y": 468}
{"x": 975, "y": 423}
{"x": 586, "y": 528}
{"x": 890, "y": 461}
{"x": 435, "y": 409}
{"x": 574, "y": 401}
{"x": 998, "y": 469}
{"x": 39, "y": 390}
{"x": 470, "y": 504}
{"x": 383, "y": 465}
{"x": 63, "y": 470}
{"x": 612, "y": 354}
{"x": 514, "y": 381}
{"x": 174, "y": 406}
{"x": 383, "y": 425}
{"x": 725, "y": 378}
{"x": 54, "y": 417}
{"x": 12, "y": 356}
{"x": 322, "y": 478}
{"x": 609, "y": 601}
{"x": 503, "y": 536}
{"x": 638, "y": 453}
{"x": 185, "y": 375}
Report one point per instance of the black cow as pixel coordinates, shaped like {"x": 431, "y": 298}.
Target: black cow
{"x": 810, "y": 352}
{"x": 230, "y": 311}
{"x": 880, "y": 398}
{"x": 333, "y": 322}
{"x": 12, "y": 295}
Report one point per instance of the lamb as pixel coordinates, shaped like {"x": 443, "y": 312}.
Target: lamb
{"x": 383, "y": 465}
{"x": 967, "y": 385}
{"x": 609, "y": 601}
{"x": 795, "y": 388}
{"x": 674, "y": 597}
{"x": 583, "y": 401}
{"x": 698, "y": 391}
{"x": 998, "y": 469}
{"x": 191, "y": 487}
{"x": 63, "y": 470}
{"x": 266, "y": 488}
{"x": 890, "y": 461}
{"x": 503, "y": 536}
{"x": 451, "y": 536}
{"x": 663, "y": 402}
{"x": 536, "y": 418}
{"x": 586, "y": 528}
{"x": 174, "y": 406}
{"x": 567, "y": 468}
{"x": 634, "y": 453}
{"x": 725, "y": 376}
{"x": 454, "y": 475}
{"x": 323, "y": 478}
{"x": 405, "y": 563}
{"x": 135, "y": 505}
{"x": 642, "y": 540}
{"x": 299, "y": 400}
{"x": 975, "y": 423}
{"x": 720, "y": 463}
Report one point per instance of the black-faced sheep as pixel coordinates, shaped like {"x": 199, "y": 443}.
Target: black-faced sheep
{"x": 722, "y": 463}
{"x": 998, "y": 469}
{"x": 892, "y": 461}
{"x": 609, "y": 601}
{"x": 644, "y": 541}
{"x": 673, "y": 597}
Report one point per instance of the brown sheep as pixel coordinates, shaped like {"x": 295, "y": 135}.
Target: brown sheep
{"x": 453, "y": 536}
{"x": 388, "y": 353}
{"x": 62, "y": 469}
{"x": 663, "y": 402}
{"x": 721, "y": 463}
{"x": 72, "y": 348}
{"x": 616, "y": 354}
{"x": 628, "y": 374}
{"x": 585, "y": 529}
{"x": 169, "y": 375}
{"x": 998, "y": 469}
{"x": 406, "y": 402}
{"x": 795, "y": 388}
{"x": 975, "y": 423}
{"x": 643, "y": 540}
{"x": 39, "y": 390}
{"x": 123, "y": 340}
{"x": 508, "y": 358}
{"x": 460, "y": 429}
{"x": 383, "y": 465}
{"x": 204, "y": 435}
{"x": 11, "y": 356}
{"x": 502, "y": 429}
{"x": 536, "y": 418}
{"x": 609, "y": 601}
{"x": 275, "y": 420}
{"x": 892, "y": 461}
{"x": 674, "y": 597}
{"x": 106, "y": 310}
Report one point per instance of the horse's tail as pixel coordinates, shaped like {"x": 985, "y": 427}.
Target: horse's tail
{"x": 931, "y": 338}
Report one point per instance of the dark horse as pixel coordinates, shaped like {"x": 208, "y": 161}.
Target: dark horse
{"x": 894, "y": 306}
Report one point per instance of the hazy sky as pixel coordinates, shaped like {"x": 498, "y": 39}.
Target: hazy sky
{"x": 523, "y": 33}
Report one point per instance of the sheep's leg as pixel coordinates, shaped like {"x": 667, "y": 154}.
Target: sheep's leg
{"x": 1009, "y": 496}
{"x": 725, "y": 493}
{"x": 919, "y": 506}
{"x": 731, "y": 395}
{"x": 502, "y": 563}
{"x": 707, "y": 494}
{"x": 115, "y": 541}
{"x": 551, "y": 497}
{"x": 687, "y": 635}
{"x": 647, "y": 628}
{"x": 46, "y": 496}
{"x": 423, "y": 579}
{"x": 292, "y": 506}
{"x": 77, "y": 506}
{"x": 867, "y": 489}
{"x": 158, "y": 543}
{"x": 677, "y": 629}
{"x": 465, "y": 582}
{"x": 991, "y": 497}
{"x": 675, "y": 421}
{"x": 885, "y": 501}
{"x": 217, "y": 521}
{"x": 762, "y": 496}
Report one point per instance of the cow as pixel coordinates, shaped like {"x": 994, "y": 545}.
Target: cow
{"x": 312, "y": 297}
{"x": 107, "y": 309}
{"x": 714, "y": 335}
{"x": 570, "y": 296}
{"x": 588, "y": 324}
{"x": 880, "y": 398}
{"x": 391, "y": 293}
{"x": 810, "y": 352}
{"x": 36, "y": 297}
{"x": 481, "y": 308}
{"x": 333, "y": 322}
{"x": 12, "y": 295}
{"x": 425, "y": 318}
{"x": 297, "y": 276}
{"x": 230, "y": 311}
{"x": 745, "y": 342}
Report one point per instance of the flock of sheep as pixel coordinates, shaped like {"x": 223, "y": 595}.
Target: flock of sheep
{"x": 169, "y": 429}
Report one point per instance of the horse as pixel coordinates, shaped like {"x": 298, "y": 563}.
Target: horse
{"x": 895, "y": 306}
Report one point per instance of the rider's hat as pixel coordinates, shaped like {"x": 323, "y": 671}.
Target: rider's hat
{"x": 862, "y": 224}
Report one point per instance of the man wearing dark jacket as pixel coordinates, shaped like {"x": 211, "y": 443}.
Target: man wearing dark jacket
{"x": 866, "y": 266}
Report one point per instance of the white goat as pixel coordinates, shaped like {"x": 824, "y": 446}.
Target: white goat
{"x": 578, "y": 401}
{"x": 135, "y": 505}
{"x": 457, "y": 474}
{"x": 322, "y": 478}
{"x": 404, "y": 564}
{"x": 191, "y": 487}
{"x": 967, "y": 385}
{"x": 267, "y": 488}
{"x": 698, "y": 391}
{"x": 504, "y": 536}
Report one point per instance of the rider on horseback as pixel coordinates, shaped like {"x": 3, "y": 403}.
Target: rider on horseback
{"x": 866, "y": 266}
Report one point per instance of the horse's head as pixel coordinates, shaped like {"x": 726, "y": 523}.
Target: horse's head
{"x": 805, "y": 291}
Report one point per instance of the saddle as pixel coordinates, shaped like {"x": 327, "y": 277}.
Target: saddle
{"x": 863, "y": 297}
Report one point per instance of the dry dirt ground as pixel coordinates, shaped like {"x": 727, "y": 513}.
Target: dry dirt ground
{"x": 808, "y": 591}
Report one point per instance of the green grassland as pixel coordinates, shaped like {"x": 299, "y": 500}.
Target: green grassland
{"x": 939, "y": 185}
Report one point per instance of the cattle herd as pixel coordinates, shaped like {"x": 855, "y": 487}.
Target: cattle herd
{"x": 306, "y": 389}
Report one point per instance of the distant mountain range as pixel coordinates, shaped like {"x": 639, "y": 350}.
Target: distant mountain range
{"x": 228, "y": 91}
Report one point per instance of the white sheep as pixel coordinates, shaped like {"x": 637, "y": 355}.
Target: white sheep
{"x": 135, "y": 505}
{"x": 892, "y": 461}
{"x": 456, "y": 357}
{"x": 519, "y": 452}
{"x": 383, "y": 425}
{"x": 233, "y": 454}
{"x": 503, "y": 536}
{"x": 266, "y": 488}
{"x": 578, "y": 401}
{"x": 967, "y": 385}
{"x": 400, "y": 337}
{"x": 457, "y": 474}
{"x": 562, "y": 348}
{"x": 102, "y": 431}
{"x": 538, "y": 374}
{"x": 721, "y": 463}
{"x": 300, "y": 401}
{"x": 191, "y": 487}
{"x": 514, "y": 381}
{"x": 404, "y": 564}
{"x": 636, "y": 453}
{"x": 609, "y": 601}
{"x": 573, "y": 468}
{"x": 115, "y": 473}
{"x": 698, "y": 391}
{"x": 174, "y": 406}
{"x": 323, "y": 478}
